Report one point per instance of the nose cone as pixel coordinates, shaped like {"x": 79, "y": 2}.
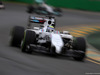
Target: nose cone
{"x": 57, "y": 42}
{"x": 58, "y": 49}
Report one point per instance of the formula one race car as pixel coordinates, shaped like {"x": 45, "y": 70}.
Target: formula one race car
{"x": 46, "y": 39}
{"x": 1, "y": 5}
{"x": 44, "y": 9}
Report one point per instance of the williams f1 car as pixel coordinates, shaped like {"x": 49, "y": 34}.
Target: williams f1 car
{"x": 44, "y": 38}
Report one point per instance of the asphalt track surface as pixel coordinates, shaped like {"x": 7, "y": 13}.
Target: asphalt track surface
{"x": 14, "y": 62}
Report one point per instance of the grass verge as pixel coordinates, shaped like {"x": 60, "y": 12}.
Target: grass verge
{"x": 94, "y": 39}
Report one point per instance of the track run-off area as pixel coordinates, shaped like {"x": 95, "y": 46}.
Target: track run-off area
{"x": 14, "y": 62}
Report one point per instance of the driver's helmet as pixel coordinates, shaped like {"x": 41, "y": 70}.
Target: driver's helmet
{"x": 50, "y": 29}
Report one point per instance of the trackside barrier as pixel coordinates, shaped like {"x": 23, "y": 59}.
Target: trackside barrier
{"x": 90, "y": 5}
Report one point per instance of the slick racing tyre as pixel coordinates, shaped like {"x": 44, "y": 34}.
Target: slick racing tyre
{"x": 57, "y": 10}
{"x": 52, "y": 51}
{"x": 80, "y": 45}
{"x": 17, "y": 34}
{"x": 30, "y": 9}
{"x": 29, "y": 38}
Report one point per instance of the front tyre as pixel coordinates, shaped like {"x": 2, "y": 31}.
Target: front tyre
{"x": 29, "y": 38}
{"x": 52, "y": 51}
{"x": 80, "y": 45}
{"x": 58, "y": 10}
{"x": 17, "y": 34}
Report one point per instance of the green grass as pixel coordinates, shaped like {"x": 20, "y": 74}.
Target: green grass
{"x": 94, "y": 39}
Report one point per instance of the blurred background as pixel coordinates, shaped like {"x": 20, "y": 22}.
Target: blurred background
{"x": 84, "y": 5}
{"x": 89, "y": 5}
{"x": 80, "y": 17}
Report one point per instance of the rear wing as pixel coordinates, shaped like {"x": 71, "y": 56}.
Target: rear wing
{"x": 39, "y": 20}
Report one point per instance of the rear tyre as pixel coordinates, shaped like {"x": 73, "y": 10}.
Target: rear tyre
{"x": 30, "y": 9}
{"x": 17, "y": 34}
{"x": 29, "y": 38}
{"x": 80, "y": 45}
